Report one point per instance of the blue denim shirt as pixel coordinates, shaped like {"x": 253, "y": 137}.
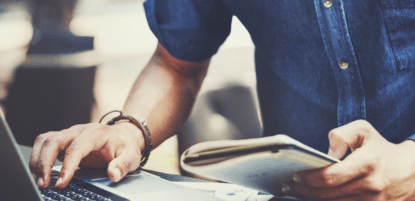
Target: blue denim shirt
{"x": 319, "y": 65}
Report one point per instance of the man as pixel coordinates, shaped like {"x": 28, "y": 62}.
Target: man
{"x": 336, "y": 67}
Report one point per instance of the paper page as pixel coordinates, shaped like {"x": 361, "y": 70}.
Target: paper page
{"x": 224, "y": 146}
{"x": 144, "y": 186}
{"x": 265, "y": 174}
{"x": 225, "y": 191}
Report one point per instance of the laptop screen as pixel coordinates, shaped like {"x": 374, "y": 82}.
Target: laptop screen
{"x": 16, "y": 181}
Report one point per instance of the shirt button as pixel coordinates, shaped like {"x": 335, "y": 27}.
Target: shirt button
{"x": 343, "y": 64}
{"x": 328, "y": 3}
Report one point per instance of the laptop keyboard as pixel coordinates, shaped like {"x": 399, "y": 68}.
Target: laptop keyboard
{"x": 72, "y": 192}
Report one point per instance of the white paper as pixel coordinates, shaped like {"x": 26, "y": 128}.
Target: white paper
{"x": 141, "y": 185}
{"x": 226, "y": 191}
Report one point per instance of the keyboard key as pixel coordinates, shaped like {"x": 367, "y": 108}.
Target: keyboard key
{"x": 55, "y": 196}
{"x": 54, "y": 173}
{"x": 68, "y": 194}
{"x": 75, "y": 196}
{"x": 71, "y": 193}
{"x": 93, "y": 196}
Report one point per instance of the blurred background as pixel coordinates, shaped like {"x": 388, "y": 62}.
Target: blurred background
{"x": 69, "y": 62}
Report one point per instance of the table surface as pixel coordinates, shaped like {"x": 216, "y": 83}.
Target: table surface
{"x": 26, "y": 151}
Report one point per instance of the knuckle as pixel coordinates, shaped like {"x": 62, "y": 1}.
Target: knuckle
{"x": 43, "y": 166}
{"x": 60, "y": 139}
{"x": 45, "y": 136}
{"x": 364, "y": 127}
{"x": 69, "y": 150}
{"x": 50, "y": 141}
{"x": 375, "y": 185}
{"x": 334, "y": 133}
{"x": 362, "y": 122}
{"x": 106, "y": 129}
{"x": 103, "y": 126}
{"x": 125, "y": 166}
{"x": 40, "y": 138}
{"x": 370, "y": 167}
{"x": 79, "y": 126}
{"x": 371, "y": 164}
{"x": 327, "y": 179}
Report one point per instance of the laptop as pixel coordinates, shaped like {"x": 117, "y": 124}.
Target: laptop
{"x": 17, "y": 183}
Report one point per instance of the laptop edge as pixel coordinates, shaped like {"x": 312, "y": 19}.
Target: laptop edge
{"x": 16, "y": 181}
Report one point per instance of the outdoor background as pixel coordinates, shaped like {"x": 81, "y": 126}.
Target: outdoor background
{"x": 124, "y": 43}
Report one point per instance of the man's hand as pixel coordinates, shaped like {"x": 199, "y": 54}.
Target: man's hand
{"x": 117, "y": 147}
{"x": 376, "y": 170}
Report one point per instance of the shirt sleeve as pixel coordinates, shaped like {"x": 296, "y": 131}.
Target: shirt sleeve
{"x": 412, "y": 137}
{"x": 190, "y": 30}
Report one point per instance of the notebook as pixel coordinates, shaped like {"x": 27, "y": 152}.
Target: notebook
{"x": 263, "y": 164}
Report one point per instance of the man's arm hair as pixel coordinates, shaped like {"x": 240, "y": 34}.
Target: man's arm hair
{"x": 164, "y": 93}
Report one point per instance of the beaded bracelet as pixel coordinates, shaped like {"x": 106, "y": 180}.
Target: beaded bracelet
{"x": 140, "y": 125}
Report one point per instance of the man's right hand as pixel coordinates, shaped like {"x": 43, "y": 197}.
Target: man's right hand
{"x": 117, "y": 147}
{"x": 170, "y": 86}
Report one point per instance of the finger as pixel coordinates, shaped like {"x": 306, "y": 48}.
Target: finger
{"x": 356, "y": 189}
{"x": 55, "y": 142}
{"x": 351, "y": 135}
{"x": 81, "y": 146}
{"x": 46, "y": 160}
{"x": 37, "y": 147}
{"x": 303, "y": 191}
{"x": 69, "y": 134}
{"x": 289, "y": 189}
{"x": 356, "y": 165}
{"x": 354, "y": 198}
{"x": 127, "y": 161}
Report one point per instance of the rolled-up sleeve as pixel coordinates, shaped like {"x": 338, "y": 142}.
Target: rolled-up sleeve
{"x": 191, "y": 30}
{"x": 412, "y": 137}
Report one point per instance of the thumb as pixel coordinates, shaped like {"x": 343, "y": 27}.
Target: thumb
{"x": 120, "y": 166}
{"x": 338, "y": 154}
{"x": 352, "y": 135}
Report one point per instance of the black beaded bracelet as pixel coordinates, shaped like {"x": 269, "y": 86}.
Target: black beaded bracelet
{"x": 140, "y": 125}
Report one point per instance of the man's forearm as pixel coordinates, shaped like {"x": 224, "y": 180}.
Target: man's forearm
{"x": 164, "y": 93}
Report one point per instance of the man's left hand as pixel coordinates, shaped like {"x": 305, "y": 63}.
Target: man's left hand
{"x": 375, "y": 170}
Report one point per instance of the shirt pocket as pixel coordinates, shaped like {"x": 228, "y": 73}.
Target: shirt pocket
{"x": 400, "y": 23}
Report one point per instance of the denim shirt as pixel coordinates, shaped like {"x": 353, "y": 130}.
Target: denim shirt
{"x": 319, "y": 64}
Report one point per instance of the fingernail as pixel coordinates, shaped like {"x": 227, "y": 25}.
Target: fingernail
{"x": 285, "y": 188}
{"x": 117, "y": 174}
{"x": 296, "y": 178}
{"x": 58, "y": 182}
{"x": 40, "y": 181}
